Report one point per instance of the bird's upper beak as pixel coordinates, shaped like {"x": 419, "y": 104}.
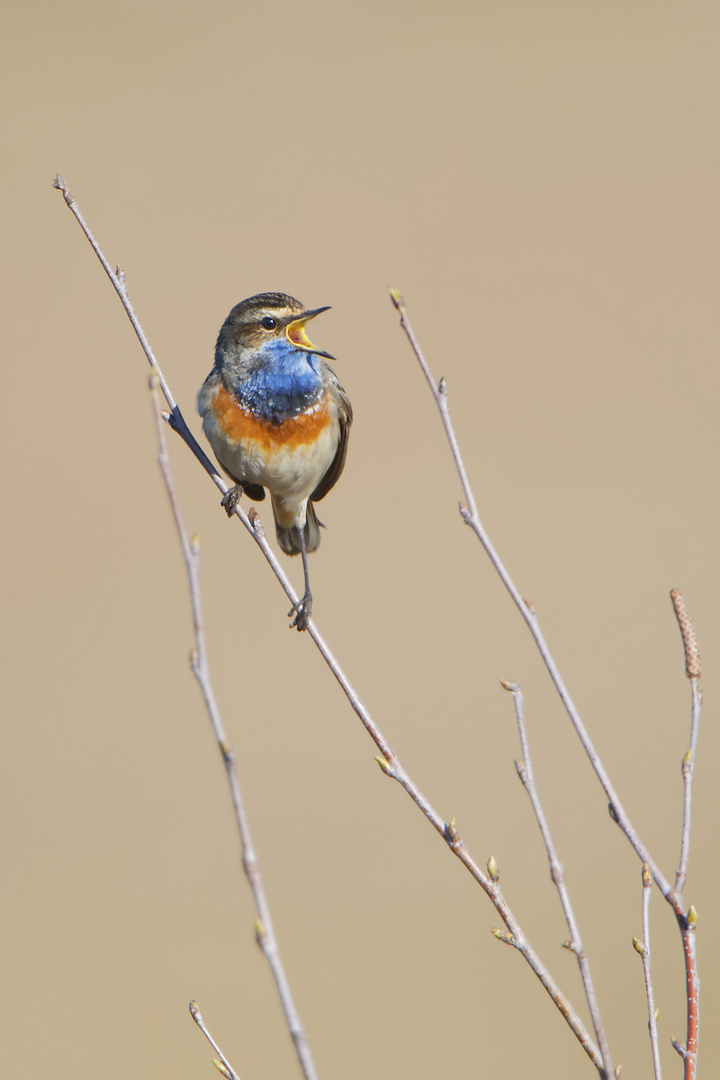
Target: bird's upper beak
{"x": 295, "y": 333}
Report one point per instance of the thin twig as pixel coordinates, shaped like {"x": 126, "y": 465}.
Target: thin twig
{"x": 689, "y": 1050}
{"x": 693, "y": 671}
{"x": 388, "y": 760}
{"x": 265, "y": 933}
{"x": 643, "y": 948}
{"x": 223, "y": 1065}
{"x": 688, "y": 930}
{"x": 117, "y": 277}
{"x": 557, "y": 873}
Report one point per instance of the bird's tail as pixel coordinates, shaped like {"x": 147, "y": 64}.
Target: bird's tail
{"x": 288, "y": 537}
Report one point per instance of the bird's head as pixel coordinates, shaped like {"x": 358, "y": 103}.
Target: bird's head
{"x": 267, "y": 318}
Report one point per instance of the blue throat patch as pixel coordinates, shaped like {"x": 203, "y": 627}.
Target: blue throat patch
{"x": 285, "y": 382}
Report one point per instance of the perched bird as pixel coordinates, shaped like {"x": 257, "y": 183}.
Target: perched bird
{"x": 277, "y": 418}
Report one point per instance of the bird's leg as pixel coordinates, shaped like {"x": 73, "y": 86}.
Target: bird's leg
{"x": 303, "y": 609}
{"x": 231, "y": 498}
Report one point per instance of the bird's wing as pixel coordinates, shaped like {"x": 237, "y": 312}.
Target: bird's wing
{"x": 345, "y": 418}
{"x": 253, "y": 491}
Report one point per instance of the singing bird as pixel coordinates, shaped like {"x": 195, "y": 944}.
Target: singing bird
{"x": 277, "y": 418}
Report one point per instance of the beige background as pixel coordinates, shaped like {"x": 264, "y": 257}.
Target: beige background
{"x": 541, "y": 179}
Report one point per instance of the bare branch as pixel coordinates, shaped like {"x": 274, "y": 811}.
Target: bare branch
{"x": 557, "y": 873}
{"x": 693, "y": 670}
{"x": 117, "y": 277}
{"x": 688, "y": 928}
{"x": 389, "y": 761}
{"x": 200, "y": 668}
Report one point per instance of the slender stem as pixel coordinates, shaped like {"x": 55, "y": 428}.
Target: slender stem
{"x": 557, "y": 873}
{"x": 388, "y": 761}
{"x": 199, "y": 663}
{"x": 688, "y": 922}
{"x": 117, "y": 277}
{"x": 693, "y": 671}
{"x": 688, "y": 769}
{"x": 643, "y": 948}
{"x": 688, "y": 928}
{"x": 227, "y": 1069}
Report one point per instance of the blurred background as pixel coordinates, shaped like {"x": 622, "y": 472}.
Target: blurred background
{"x": 541, "y": 181}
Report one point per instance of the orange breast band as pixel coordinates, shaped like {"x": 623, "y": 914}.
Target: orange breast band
{"x": 241, "y": 426}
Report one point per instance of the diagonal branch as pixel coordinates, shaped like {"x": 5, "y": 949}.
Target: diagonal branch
{"x": 388, "y": 760}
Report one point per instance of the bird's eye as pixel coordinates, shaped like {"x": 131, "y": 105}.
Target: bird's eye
{"x": 268, "y": 323}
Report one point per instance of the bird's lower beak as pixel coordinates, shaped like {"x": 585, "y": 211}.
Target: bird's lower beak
{"x": 295, "y": 333}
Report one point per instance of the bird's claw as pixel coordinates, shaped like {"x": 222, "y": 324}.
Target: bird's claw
{"x": 231, "y": 498}
{"x": 302, "y": 612}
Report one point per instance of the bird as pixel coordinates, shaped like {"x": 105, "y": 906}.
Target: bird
{"x": 276, "y": 417}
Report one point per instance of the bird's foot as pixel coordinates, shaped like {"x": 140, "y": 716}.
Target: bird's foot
{"x": 231, "y": 499}
{"x": 302, "y": 612}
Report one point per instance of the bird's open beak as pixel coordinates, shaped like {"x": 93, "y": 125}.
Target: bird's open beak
{"x": 295, "y": 333}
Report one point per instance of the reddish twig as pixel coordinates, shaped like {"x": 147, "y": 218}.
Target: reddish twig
{"x": 689, "y": 1050}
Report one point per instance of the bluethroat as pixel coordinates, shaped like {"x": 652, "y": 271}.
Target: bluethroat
{"x": 277, "y": 418}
